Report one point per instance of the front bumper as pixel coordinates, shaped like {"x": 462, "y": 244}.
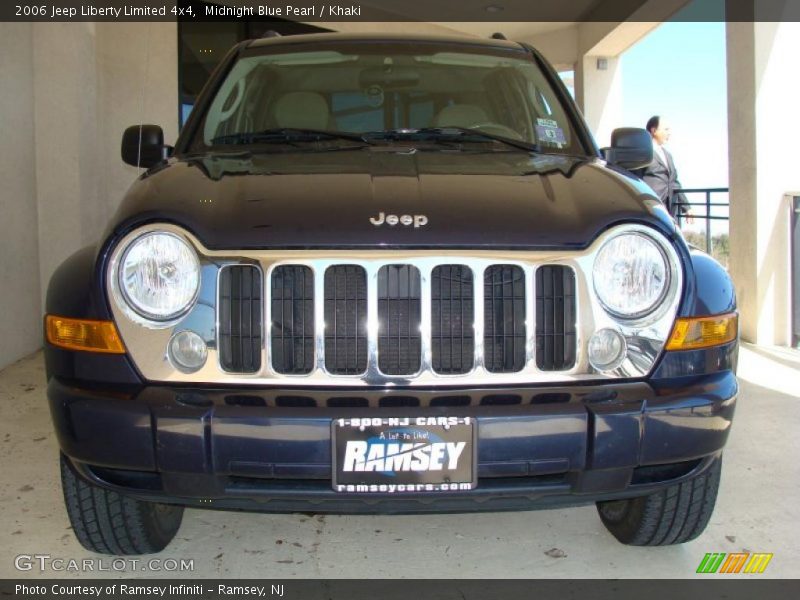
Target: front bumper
{"x": 270, "y": 450}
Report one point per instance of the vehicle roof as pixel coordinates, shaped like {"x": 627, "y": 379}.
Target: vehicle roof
{"x": 310, "y": 38}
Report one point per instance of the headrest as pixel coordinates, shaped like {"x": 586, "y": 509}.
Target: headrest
{"x": 301, "y": 110}
{"x": 460, "y": 115}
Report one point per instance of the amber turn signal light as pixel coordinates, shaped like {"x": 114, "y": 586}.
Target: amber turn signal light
{"x": 692, "y": 333}
{"x": 83, "y": 334}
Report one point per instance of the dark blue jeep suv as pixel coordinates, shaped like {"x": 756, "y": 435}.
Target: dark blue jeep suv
{"x": 388, "y": 275}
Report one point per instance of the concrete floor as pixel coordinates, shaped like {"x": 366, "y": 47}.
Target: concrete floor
{"x": 758, "y": 510}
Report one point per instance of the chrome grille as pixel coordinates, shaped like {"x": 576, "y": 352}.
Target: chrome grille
{"x": 211, "y": 317}
{"x": 379, "y": 321}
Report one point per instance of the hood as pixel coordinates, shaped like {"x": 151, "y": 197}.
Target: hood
{"x": 350, "y": 198}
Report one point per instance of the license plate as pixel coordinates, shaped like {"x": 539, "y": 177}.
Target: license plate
{"x": 396, "y": 455}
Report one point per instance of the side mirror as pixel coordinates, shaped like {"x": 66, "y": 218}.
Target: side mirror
{"x": 631, "y": 148}
{"x": 143, "y": 145}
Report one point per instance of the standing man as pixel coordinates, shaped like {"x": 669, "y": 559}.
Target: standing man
{"x": 661, "y": 174}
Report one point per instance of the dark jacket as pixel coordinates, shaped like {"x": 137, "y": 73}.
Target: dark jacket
{"x": 663, "y": 178}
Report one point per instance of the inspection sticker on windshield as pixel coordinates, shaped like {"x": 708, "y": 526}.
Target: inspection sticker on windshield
{"x": 548, "y": 131}
{"x": 393, "y": 455}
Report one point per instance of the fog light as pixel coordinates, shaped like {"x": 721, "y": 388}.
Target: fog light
{"x": 607, "y": 350}
{"x": 187, "y": 351}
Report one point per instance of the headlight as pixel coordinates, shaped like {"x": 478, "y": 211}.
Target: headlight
{"x": 159, "y": 276}
{"x": 631, "y": 275}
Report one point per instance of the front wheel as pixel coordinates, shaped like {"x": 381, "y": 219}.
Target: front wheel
{"x": 109, "y": 523}
{"x": 674, "y": 515}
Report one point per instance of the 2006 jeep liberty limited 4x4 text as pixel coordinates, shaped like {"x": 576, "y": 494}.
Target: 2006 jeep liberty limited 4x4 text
{"x": 388, "y": 275}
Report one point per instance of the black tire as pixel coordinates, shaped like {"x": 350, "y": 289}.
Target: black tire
{"x": 109, "y": 523}
{"x": 674, "y": 515}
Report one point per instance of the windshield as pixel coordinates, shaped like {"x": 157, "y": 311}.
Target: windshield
{"x": 386, "y": 92}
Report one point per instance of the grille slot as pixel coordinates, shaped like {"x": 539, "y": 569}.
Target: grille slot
{"x": 551, "y": 398}
{"x": 504, "y": 318}
{"x": 451, "y": 401}
{"x": 452, "y": 319}
{"x": 501, "y": 400}
{"x": 295, "y": 402}
{"x": 555, "y": 318}
{"x": 240, "y": 319}
{"x": 245, "y": 400}
{"x": 347, "y": 402}
{"x": 346, "y": 320}
{"x": 292, "y": 331}
{"x": 399, "y": 314}
{"x": 398, "y": 402}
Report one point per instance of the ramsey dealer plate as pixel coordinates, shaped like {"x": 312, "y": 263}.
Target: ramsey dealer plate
{"x": 404, "y": 454}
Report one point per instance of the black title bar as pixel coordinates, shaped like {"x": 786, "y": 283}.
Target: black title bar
{"x": 395, "y": 10}
{"x": 707, "y": 588}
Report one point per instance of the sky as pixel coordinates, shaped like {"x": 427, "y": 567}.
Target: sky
{"x": 678, "y": 71}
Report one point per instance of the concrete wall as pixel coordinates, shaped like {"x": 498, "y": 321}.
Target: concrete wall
{"x": 763, "y": 89}
{"x": 91, "y": 81}
{"x": 559, "y": 47}
{"x": 138, "y": 68}
{"x": 69, "y": 90}
{"x": 20, "y": 327}
{"x": 65, "y": 108}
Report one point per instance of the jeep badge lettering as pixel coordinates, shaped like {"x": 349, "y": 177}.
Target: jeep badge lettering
{"x": 392, "y": 220}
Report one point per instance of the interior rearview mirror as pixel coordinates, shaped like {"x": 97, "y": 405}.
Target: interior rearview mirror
{"x": 389, "y": 77}
{"x": 631, "y": 148}
{"x": 143, "y": 145}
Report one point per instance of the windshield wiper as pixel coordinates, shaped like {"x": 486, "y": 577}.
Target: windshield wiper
{"x": 449, "y": 134}
{"x": 289, "y": 135}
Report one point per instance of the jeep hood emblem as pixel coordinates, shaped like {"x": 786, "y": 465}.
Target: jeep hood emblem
{"x": 416, "y": 220}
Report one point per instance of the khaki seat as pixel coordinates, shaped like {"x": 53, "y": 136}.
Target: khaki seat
{"x": 302, "y": 110}
{"x": 460, "y": 115}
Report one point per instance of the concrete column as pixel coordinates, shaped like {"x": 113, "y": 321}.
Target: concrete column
{"x": 65, "y": 120}
{"x": 763, "y": 130}
{"x": 20, "y": 320}
{"x": 598, "y": 91}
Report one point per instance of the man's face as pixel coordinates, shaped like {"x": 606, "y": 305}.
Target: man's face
{"x": 661, "y": 134}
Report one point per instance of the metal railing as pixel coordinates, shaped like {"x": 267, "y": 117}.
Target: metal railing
{"x": 707, "y": 204}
